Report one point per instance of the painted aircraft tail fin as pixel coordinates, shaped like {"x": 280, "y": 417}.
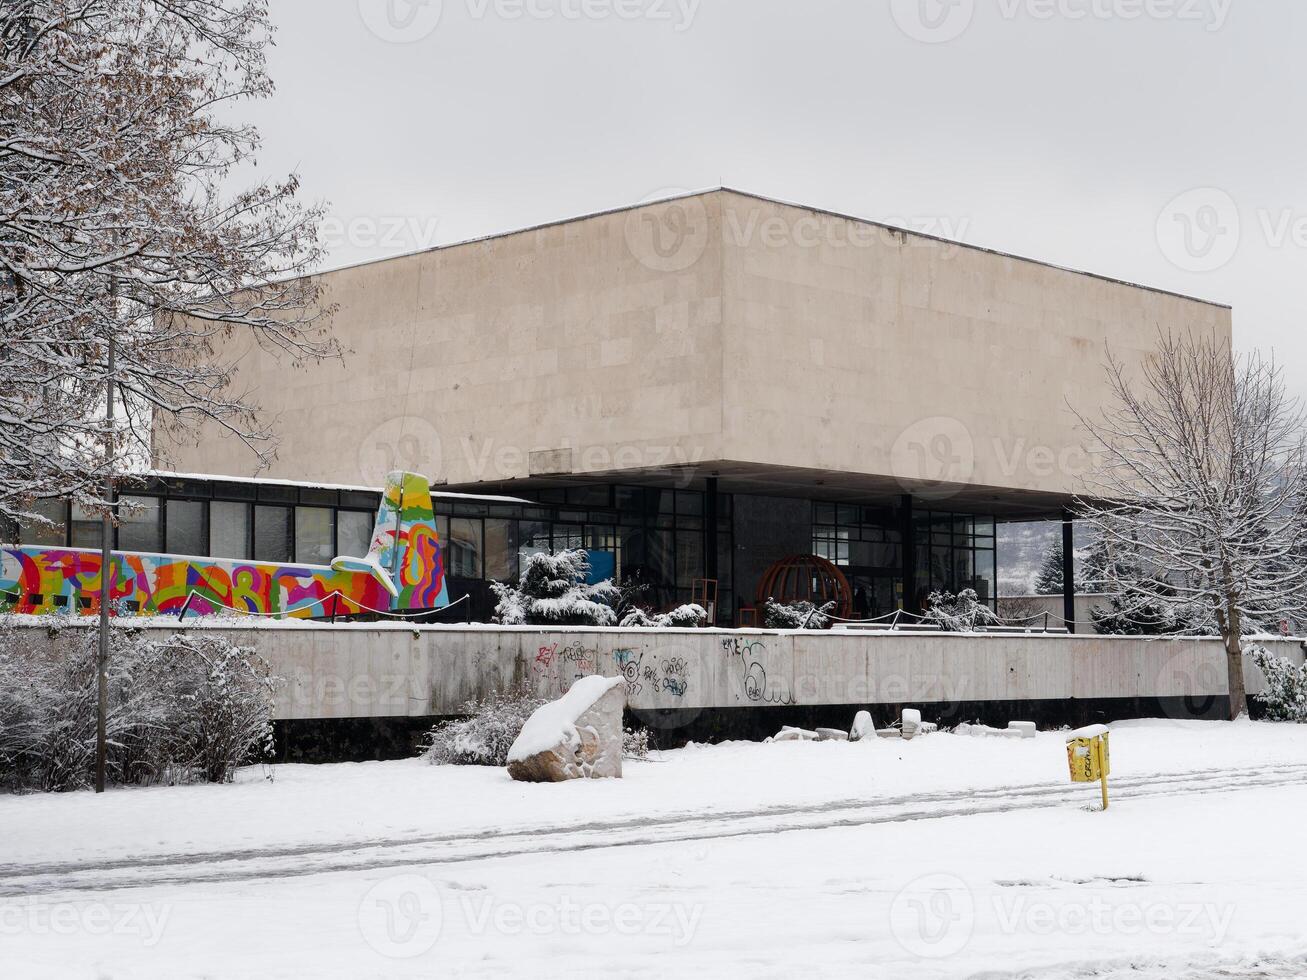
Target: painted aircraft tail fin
{"x": 405, "y": 553}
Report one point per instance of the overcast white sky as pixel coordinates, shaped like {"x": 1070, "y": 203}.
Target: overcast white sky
{"x": 1066, "y": 130}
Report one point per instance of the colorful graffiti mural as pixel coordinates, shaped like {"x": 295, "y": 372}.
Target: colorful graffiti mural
{"x": 402, "y": 571}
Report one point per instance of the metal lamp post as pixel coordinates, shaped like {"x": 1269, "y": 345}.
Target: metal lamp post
{"x": 106, "y": 572}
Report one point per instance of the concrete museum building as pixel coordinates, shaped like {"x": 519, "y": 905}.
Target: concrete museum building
{"x": 699, "y": 387}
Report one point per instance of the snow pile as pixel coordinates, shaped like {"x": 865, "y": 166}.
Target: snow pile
{"x": 555, "y": 723}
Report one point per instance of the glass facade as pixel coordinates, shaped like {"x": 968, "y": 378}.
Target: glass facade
{"x": 952, "y": 552}
{"x": 229, "y": 529}
{"x": 315, "y": 535}
{"x": 867, "y": 544}
{"x": 273, "y": 533}
{"x": 187, "y": 528}
{"x": 654, "y": 538}
{"x": 956, "y": 552}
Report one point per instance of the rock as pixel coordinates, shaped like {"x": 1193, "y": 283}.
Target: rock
{"x": 862, "y": 726}
{"x": 1026, "y": 728}
{"x": 832, "y": 735}
{"x": 579, "y": 736}
{"x": 789, "y": 734}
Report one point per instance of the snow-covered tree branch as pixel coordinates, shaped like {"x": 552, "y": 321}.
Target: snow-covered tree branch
{"x": 117, "y": 149}
{"x": 1198, "y": 498}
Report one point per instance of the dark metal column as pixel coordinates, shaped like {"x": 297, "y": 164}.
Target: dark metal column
{"x": 710, "y": 530}
{"x": 909, "y": 556}
{"x": 1068, "y": 571}
{"x": 710, "y": 542}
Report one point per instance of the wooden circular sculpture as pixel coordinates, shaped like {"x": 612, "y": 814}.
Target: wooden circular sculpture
{"x": 806, "y": 578}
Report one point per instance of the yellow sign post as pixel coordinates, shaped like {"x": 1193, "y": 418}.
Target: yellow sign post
{"x": 1087, "y": 755}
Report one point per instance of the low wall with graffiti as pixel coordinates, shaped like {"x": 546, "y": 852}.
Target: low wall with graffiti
{"x": 356, "y": 671}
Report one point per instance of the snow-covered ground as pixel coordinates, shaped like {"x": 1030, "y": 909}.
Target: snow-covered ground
{"x": 943, "y": 857}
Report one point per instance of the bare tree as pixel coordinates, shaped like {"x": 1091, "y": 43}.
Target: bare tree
{"x": 117, "y": 149}
{"x": 1201, "y": 480}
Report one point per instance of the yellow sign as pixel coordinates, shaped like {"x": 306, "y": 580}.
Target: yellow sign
{"x": 1088, "y": 758}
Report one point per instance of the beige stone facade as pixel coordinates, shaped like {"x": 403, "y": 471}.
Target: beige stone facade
{"x": 787, "y": 350}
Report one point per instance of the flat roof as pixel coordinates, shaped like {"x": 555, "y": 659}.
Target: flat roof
{"x": 783, "y": 203}
{"x": 356, "y": 488}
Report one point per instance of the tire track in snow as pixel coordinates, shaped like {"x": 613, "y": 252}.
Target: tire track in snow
{"x": 309, "y": 859}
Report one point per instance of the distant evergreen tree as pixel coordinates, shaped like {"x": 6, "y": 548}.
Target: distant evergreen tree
{"x": 1049, "y": 580}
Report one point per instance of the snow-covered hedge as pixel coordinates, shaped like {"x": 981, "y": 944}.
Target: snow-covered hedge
{"x": 182, "y": 709}
{"x": 690, "y": 616}
{"x": 960, "y": 613}
{"x": 552, "y": 591}
{"x": 1285, "y": 697}
{"x": 484, "y": 737}
{"x": 796, "y": 615}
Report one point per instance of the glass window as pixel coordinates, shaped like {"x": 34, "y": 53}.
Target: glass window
{"x": 314, "y": 535}
{"x": 659, "y": 558}
{"x": 185, "y": 533}
{"x": 630, "y": 501}
{"x": 689, "y": 558}
{"x": 501, "y": 550}
{"x": 567, "y": 537}
{"x": 54, "y": 510}
{"x": 533, "y": 537}
{"x": 596, "y": 496}
{"x": 229, "y": 529}
{"x": 464, "y": 547}
{"x": 272, "y": 533}
{"x": 138, "y": 524}
{"x": 86, "y": 527}
{"x": 353, "y": 533}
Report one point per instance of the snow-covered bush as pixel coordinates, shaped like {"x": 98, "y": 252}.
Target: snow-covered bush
{"x": 635, "y": 743}
{"x": 797, "y": 615}
{"x": 183, "y": 708}
{"x": 485, "y": 735}
{"x": 1285, "y": 697}
{"x": 690, "y": 616}
{"x": 552, "y": 591}
{"x": 960, "y": 613}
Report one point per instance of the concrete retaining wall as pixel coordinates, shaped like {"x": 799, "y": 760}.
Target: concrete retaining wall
{"x": 354, "y": 671}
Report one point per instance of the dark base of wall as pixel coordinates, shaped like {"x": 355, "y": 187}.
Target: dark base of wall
{"x": 349, "y": 739}
{"x": 371, "y": 739}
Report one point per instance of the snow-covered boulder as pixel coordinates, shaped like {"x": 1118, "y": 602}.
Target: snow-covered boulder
{"x": 579, "y": 736}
